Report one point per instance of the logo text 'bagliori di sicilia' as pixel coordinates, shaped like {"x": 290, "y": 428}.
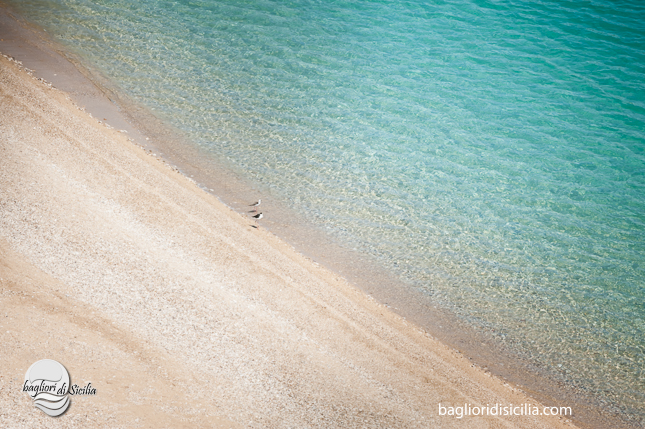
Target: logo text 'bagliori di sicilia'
{"x": 47, "y": 383}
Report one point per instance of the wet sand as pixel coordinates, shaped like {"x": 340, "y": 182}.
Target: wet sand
{"x": 183, "y": 312}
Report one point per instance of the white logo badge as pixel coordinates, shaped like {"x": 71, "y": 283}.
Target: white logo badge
{"x": 47, "y": 382}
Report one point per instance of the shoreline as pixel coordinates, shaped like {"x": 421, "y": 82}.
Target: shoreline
{"x": 106, "y": 244}
{"x": 423, "y": 317}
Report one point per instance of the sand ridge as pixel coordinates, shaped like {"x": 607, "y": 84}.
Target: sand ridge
{"x": 222, "y": 323}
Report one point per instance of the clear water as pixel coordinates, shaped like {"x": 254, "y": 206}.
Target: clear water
{"x": 491, "y": 153}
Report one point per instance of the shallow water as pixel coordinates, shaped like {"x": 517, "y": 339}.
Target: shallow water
{"x": 491, "y": 154}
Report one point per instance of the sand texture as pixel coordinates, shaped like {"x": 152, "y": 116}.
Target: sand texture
{"x": 178, "y": 310}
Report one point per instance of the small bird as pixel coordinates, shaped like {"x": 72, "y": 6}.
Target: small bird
{"x": 257, "y": 216}
{"x": 255, "y": 205}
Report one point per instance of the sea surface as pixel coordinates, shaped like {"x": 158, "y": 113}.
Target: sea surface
{"x": 489, "y": 153}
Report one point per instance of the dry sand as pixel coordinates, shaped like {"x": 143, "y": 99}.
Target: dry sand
{"x": 178, "y": 310}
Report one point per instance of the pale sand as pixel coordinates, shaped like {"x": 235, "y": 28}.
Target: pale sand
{"x": 178, "y": 311}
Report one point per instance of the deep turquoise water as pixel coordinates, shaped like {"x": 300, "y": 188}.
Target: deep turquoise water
{"x": 491, "y": 153}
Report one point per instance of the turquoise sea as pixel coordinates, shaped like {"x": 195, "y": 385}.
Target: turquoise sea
{"x": 490, "y": 153}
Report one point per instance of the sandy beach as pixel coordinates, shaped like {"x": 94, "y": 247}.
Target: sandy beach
{"x": 182, "y": 312}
